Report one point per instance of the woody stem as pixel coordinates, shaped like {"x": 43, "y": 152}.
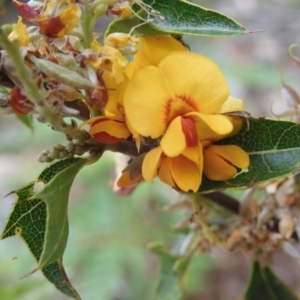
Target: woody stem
{"x": 223, "y": 200}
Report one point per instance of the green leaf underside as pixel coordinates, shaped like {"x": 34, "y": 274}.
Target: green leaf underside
{"x": 265, "y": 285}
{"x": 178, "y": 17}
{"x": 172, "y": 270}
{"x": 40, "y": 219}
{"x": 274, "y": 150}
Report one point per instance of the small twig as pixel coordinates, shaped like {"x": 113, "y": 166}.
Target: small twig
{"x": 223, "y": 200}
{"x": 210, "y": 234}
{"x": 125, "y": 147}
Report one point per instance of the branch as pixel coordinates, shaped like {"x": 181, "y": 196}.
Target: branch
{"x": 223, "y": 200}
{"x": 125, "y": 147}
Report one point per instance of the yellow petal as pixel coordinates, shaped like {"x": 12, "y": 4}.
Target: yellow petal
{"x": 151, "y": 51}
{"x": 136, "y": 136}
{"x": 151, "y": 164}
{"x": 195, "y": 79}
{"x": 115, "y": 95}
{"x": 113, "y": 126}
{"x": 113, "y": 61}
{"x": 232, "y": 104}
{"x": 236, "y": 155}
{"x": 125, "y": 180}
{"x": 219, "y": 124}
{"x": 220, "y": 162}
{"x": 211, "y": 128}
{"x": 144, "y": 101}
{"x": 70, "y": 16}
{"x": 155, "y": 48}
{"x": 186, "y": 174}
{"x": 96, "y": 46}
{"x": 237, "y": 123}
{"x": 164, "y": 171}
{"x": 173, "y": 142}
{"x": 130, "y": 70}
{"x": 19, "y": 33}
{"x": 195, "y": 154}
{"x": 119, "y": 40}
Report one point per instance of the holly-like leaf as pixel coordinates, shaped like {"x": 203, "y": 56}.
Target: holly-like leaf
{"x": 172, "y": 272}
{"x": 40, "y": 219}
{"x": 177, "y": 17}
{"x": 274, "y": 150}
{"x": 265, "y": 285}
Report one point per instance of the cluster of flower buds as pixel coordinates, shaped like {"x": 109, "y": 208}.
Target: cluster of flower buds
{"x": 60, "y": 151}
{"x": 66, "y": 63}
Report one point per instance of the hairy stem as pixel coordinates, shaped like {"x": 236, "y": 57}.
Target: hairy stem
{"x": 211, "y": 235}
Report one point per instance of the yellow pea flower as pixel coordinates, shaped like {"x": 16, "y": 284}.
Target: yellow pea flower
{"x": 217, "y": 162}
{"x": 177, "y": 100}
{"x": 221, "y": 162}
{"x": 112, "y": 127}
{"x": 59, "y": 18}
{"x": 183, "y": 171}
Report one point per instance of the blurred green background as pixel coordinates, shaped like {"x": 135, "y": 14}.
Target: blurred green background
{"x": 106, "y": 256}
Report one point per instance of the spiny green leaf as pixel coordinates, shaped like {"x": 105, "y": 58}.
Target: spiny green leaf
{"x": 55, "y": 195}
{"x": 172, "y": 272}
{"x": 265, "y": 285}
{"x": 40, "y": 219}
{"x": 178, "y": 17}
{"x": 55, "y": 274}
{"x": 274, "y": 150}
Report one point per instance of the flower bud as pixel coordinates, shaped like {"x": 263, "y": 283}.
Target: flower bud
{"x": 20, "y": 104}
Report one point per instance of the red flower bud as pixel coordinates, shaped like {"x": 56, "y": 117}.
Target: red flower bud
{"x": 20, "y": 104}
{"x": 51, "y": 27}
